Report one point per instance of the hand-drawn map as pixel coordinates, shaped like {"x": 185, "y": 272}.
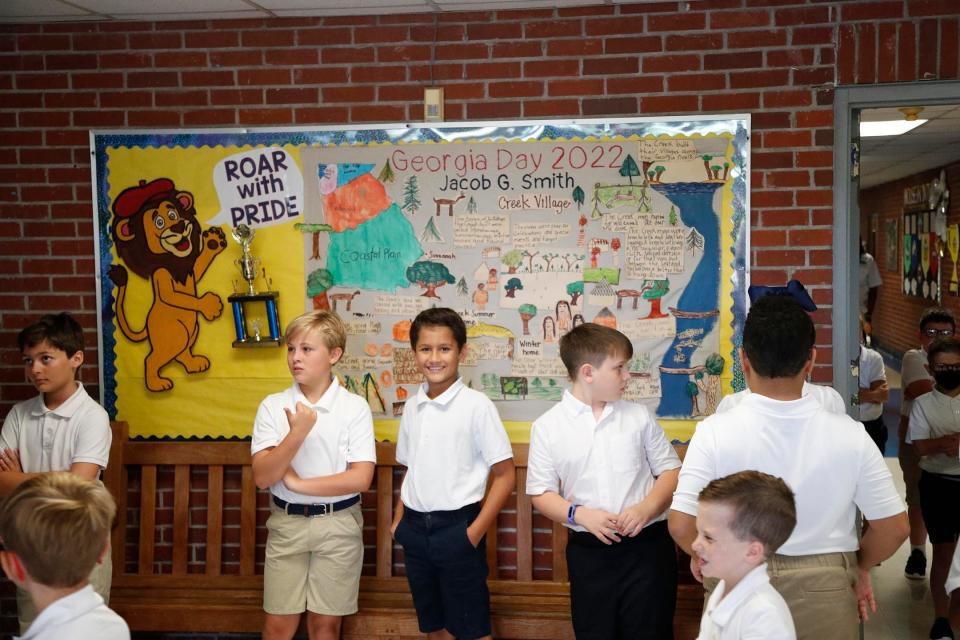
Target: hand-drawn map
{"x": 527, "y": 239}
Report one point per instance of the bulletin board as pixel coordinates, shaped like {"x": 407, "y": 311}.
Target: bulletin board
{"x": 526, "y": 229}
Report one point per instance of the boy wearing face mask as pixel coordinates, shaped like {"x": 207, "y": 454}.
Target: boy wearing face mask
{"x": 935, "y": 433}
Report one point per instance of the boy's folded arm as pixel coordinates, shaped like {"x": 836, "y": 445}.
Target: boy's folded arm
{"x": 502, "y": 481}
{"x": 355, "y": 479}
{"x": 947, "y": 445}
{"x": 881, "y": 539}
{"x": 10, "y": 480}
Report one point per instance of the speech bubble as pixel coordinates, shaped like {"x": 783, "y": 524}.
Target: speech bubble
{"x": 258, "y": 188}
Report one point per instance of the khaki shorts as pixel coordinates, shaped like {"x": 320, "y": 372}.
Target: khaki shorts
{"x": 100, "y": 579}
{"x": 819, "y": 589}
{"x": 313, "y": 564}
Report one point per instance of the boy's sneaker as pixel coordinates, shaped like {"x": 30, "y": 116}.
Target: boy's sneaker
{"x": 916, "y": 568}
{"x": 941, "y": 630}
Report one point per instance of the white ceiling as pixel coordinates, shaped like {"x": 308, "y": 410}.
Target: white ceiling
{"x": 933, "y": 144}
{"x": 71, "y": 10}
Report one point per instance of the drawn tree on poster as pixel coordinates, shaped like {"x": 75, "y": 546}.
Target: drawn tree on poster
{"x": 629, "y": 168}
{"x": 386, "y": 174}
{"x": 530, "y": 256}
{"x": 578, "y": 196}
{"x": 318, "y": 283}
{"x": 462, "y": 289}
{"x": 429, "y": 276}
{"x": 706, "y": 164}
{"x": 316, "y": 230}
{"x": 549, "y": 258}
{"x": 654, "y": 290}
{"x": 471, "y": 205}
{"x": 430, "y": 233}
{"x": 693, "y": 391}
{"x": 513, "y": 259}
{"x": 527, "y": 313}
{"x": 513, "y": 284}
{"x": 575, "y": 290}
{"x": 411, "y": 196}
{"x": 572, "y": 261}
{"x": 672, "y": 217}
{"x": 726, "y": 170}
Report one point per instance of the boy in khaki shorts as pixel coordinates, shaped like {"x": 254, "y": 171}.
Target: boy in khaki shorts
{"x": 313, "y": 447}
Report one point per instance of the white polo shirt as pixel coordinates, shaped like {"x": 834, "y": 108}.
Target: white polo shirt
{"x": 752, "y": 610}
{"x": 448, "y": 445}
{"x": 935, "y": 415}
{"x": 871, "y": 370}
{"x": 869, "y": 278}
{"x": 82, "y": 615}
{"x": 913, "y": 367}
{"x": 828, "y": 460}
{"x": 828, "y": 398}
{"x": 608, "y": 464}
{"x": 53, "y": 439}
{"x": 343, "y": 433}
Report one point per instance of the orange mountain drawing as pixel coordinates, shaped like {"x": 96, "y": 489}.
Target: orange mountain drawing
{"x": 354, "y": 203}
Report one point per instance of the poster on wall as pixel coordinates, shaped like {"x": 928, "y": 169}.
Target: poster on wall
{"x": 921, "y": 256}
{"x": 891, "y": 242}
{"x": 209, "y": 241}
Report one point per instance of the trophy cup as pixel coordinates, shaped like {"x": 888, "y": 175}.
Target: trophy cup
{"x": 249, "y": 267}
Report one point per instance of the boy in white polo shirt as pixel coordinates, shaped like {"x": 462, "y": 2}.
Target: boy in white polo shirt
{"x": 935, "y": 434}
{"x": 62, "y": 429}
{"x": 450, "y": 440}
{"x": 828, "y": 461}
{"x": 313, "y": 447}
{"x": 915, "y": 380}
{"x": 742, "y": 519}
{"x": 55, "y": 528}
{"x": 604, "y": 468}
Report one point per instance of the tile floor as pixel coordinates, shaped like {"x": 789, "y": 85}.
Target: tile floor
{"x": 904, "y": 607}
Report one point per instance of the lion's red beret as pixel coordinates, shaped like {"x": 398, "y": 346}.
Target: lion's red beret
{"x": 132, "y": 199}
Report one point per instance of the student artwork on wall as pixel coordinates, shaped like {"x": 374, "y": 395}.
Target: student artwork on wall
{"x": 921, "y": 256}
{"x": 527, "y": 229}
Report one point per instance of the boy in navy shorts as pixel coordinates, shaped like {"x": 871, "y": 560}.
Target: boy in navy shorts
{"x": 451, "y": 439}
{"x": 604, "y": 468}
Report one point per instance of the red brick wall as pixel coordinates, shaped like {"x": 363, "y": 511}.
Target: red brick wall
{"x": 896, "y": 315}
{"x": 776, "y": 59}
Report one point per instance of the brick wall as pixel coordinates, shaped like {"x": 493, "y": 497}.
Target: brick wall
{"x": 896, "y": 314}
{"x": 776, "y": 59}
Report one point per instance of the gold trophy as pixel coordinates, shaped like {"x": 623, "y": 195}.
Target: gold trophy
{"x": 249, "y": 268}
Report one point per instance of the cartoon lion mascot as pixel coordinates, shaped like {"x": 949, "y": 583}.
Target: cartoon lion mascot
{"x": 158, "y": 237}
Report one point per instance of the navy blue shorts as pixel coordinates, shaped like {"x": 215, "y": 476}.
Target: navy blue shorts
{"x": 447, "y": 574}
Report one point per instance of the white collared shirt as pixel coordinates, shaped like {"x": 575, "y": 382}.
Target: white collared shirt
{"x": 913, "y": 368}
{"x": 608, "y": 464}
{"x": 935, "y": 415}
{"x": 343, "y": 433}
{"x": 448, "y": 445}
{"x": 753, "y": 610}
{"x": 828, "y": 397}
{"x": 53, "y": 439}
{"x": 871, "y": 370}
{"x": 828, "y": 460}
{"x": 82, "y": 615}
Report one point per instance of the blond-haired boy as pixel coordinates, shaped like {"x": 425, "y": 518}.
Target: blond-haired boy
{"x": 603, "y": 467}
{"x": 313, "y": 447}
{"x": 55, "y": 528}
{"x": 742, "y": 520}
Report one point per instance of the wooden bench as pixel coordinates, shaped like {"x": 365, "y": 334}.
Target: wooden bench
{"x": 188, "y": 549}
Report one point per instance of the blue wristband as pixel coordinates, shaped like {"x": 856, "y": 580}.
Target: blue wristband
{"x": 571, "y": 513}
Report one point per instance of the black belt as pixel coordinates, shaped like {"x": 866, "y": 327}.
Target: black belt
{"x": 311, "y": 510}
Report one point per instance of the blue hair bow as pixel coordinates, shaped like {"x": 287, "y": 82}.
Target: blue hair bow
{"x": 794, "y": 289}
